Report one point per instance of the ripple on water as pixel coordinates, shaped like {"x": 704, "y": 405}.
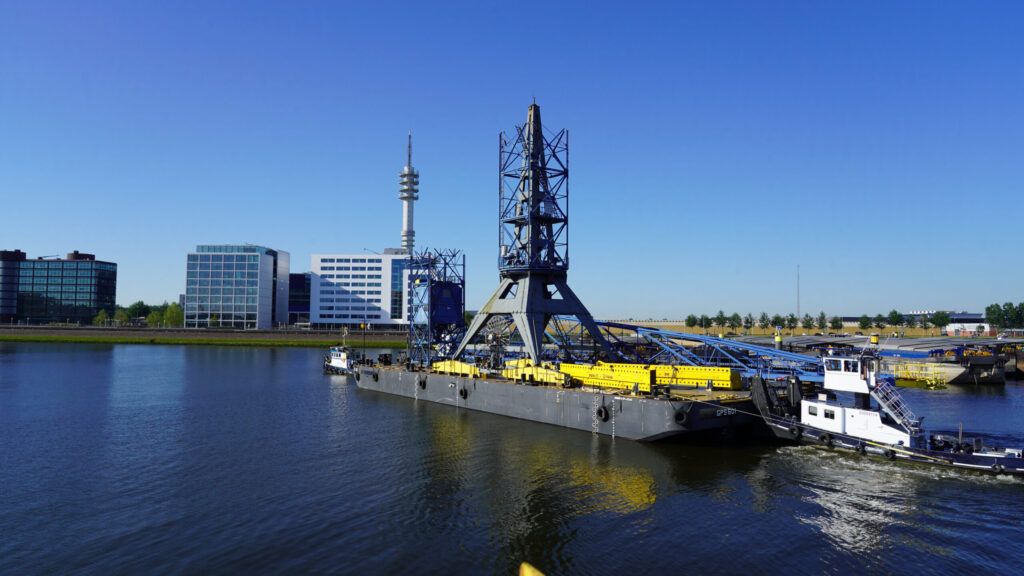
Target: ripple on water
{"x": 252, "y": 461}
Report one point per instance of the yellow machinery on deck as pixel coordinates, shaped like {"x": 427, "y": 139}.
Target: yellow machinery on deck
{"x": 606, "y": 375}
{"x": 642, "y": 378}
{"x": 523, "y": 370}
{"x": 455, "y": 368}
{"x": 638, "y": 378}
{"x": 699, "y": 376}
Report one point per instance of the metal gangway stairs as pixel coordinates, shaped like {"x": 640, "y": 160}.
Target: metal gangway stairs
{"x": 891, "y": 401}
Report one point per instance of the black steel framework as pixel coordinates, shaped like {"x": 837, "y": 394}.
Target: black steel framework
{"x": 533, "y": 240}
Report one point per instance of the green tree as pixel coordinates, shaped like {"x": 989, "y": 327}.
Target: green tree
{"x": 994, "y": 315}
{"x": 692, "y": 320}
{"x": 895, "y": 318}
{"x": 101, "y": 318}
{"x": 748, "y": 322}
{"x": 910, "y": 321}
{"x": 467, "y": 317}
{"x": 836, "y": 323}
{"x": 764, "y": 321}
{"x": 720, "y": 319}
{"x": 941, "y": 319}
{"x": 138, "y": 310}
{"x": 807, "y": 322}
{"x": 791, "y": 321}
{"x": 1010, "y": 318}
{"x": 923, "y": 321}
{"x": 174, "y": 316}
{"x": 1020, "y": 315}
{"x": 734, "y": 321}
{"x": 120, "y": 317}
{"x": 705, "y": 322}
{"x": 822, "y": 321}
{"x": 154, "y": 319}
{"x": 864, "y": 322}
{"x": 778, "y": 321}
{"x": 880, "y": 322}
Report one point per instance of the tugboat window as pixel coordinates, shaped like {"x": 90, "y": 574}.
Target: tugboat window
{"x": 812, "y": 410}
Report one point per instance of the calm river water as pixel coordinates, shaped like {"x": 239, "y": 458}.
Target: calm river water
{"x": 165, "y": 459}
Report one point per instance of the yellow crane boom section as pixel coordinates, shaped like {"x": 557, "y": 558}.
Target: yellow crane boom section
{"x": 620, "y": 376}
{"x": 455, "y": 368}
{"x": 695, "y": 376}
{"x": 626, "y": 376}
{"x": 535, "y": 374}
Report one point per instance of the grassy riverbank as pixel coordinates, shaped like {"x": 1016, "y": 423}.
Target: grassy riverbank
{"x": 262, "y": 339}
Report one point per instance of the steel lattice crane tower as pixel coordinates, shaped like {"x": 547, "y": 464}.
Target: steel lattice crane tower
{"x": 533, "y": 240}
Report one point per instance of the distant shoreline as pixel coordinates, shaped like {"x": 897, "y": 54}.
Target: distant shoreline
{"x": 198, "y": 337}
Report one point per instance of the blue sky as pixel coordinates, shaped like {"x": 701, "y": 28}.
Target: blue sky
{"x": 714, "y": 146}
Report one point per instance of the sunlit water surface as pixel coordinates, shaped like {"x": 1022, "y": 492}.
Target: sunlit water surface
{"x": 164, "y": 459}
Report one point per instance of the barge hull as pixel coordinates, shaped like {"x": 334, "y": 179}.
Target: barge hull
{"x": 631, "y": 417}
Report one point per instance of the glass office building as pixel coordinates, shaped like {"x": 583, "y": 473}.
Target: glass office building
{"x": 72, "y": 290}
{"x": 236, "y": 286}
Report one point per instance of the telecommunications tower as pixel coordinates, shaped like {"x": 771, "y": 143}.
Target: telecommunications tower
{"x": 408, "y": 192}
{"x": 533, "y": 239}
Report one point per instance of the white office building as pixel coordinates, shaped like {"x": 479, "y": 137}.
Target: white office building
{"x": 371, "y": 289}
{"x": 352, "y": 289}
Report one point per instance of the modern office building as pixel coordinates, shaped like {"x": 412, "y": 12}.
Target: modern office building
{"x": 236, "y": 286}
{"x": 52, "y": 290}
{"x": 353, "y": 289}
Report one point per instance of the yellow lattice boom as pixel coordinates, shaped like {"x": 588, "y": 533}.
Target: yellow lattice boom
{"x": 606, "y": 375}
{"x": 694, "y": 376}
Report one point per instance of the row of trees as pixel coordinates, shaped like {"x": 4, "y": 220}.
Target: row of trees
{"x": 1005, "y": 316}
{"x": 734, "y": 321}
{"x": 821, "y": 322}
{"x": 162, "y": 315}
{"x": 896, "y": 320}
